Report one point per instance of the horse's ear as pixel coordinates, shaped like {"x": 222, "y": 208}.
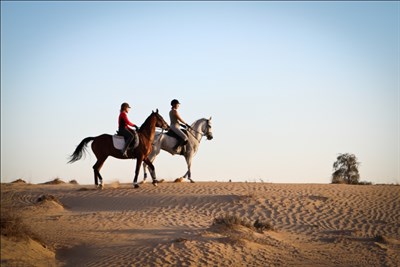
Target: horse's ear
{"x": 210, "y": 118}
{"x": 156, "y": 110}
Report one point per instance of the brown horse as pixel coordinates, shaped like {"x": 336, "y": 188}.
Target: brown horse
{"x": 103, "y": 147}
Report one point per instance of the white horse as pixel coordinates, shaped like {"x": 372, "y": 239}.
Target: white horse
{"x": 197, "y": 130}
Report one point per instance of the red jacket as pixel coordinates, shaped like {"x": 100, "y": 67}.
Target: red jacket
{"x": 123, "y": 121}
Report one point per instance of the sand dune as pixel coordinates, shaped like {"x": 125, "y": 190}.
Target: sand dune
{"x": 172, "y": 224}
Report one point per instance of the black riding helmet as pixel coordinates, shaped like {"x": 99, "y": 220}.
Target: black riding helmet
{"x": 125, "y": 105}
{"x": 174, "y": 102}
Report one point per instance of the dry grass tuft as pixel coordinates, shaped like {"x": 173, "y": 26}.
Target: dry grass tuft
{"x": 13, "y": 227}
{"x": 262, "y": 226}
{"x": 180, "y": 239}
{"x": 230, "y": 221}
{"x": 55, "y": 181}
{"x": 73, "y": 182}
{"x": 179, "y": 180}
{"x": 47, "y": 198}
{"x": 18, "y": 181}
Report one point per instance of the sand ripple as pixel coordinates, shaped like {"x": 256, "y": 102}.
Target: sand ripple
{"x": 317, "y": 225}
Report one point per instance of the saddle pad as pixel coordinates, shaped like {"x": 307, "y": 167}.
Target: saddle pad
{"x": 118, "y": 141}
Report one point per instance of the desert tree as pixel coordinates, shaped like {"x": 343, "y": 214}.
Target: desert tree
{"x": 345, "y": 169}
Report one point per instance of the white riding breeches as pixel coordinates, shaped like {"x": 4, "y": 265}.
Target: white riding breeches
{"x": 179, "y": 132}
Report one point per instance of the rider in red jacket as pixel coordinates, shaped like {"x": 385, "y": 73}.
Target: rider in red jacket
{"x": 123, "y": 127}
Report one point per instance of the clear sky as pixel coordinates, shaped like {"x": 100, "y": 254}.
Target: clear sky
{"x": 289, "y": 86}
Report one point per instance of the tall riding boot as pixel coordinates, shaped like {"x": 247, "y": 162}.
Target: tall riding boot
{"x": 183, "y": 150}
{"x": 180, "y": 144}
{"x": 125, "y": 149}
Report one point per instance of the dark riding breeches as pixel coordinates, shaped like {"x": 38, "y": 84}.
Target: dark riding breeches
{"x": 128, "y": 135}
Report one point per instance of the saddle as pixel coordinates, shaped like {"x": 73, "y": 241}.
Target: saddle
{"x": 180, "y": 146}
{"x": 174, "y": 135}
{"x": 119, "y": 141}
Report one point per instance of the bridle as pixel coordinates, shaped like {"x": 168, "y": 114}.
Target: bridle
{"x": 190, "y": 129}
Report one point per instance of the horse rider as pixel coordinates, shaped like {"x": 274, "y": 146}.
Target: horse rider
{"x": 124, "y": 129}
{"x": 176, "y": 119}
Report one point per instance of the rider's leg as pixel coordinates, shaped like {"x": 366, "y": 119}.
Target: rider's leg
{"x": 128, "y": 139}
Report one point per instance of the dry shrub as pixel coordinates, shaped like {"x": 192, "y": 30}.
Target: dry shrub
{"x": 180, "y": 239}
{"x": 19, "y": 181}
{"x": 262, "y": 226}
{"x": 47, "y": 198}
{"x": 73, "y": 182}
{"x": 56, "y": 181}
{"x": 179, "y": 180}
{"x": 230, "y": 221}
{"x": 365, "y": 183}
{"x": 13, "y": 227}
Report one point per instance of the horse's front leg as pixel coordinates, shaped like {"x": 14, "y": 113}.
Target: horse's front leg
{"x": 152, "y": 171}
{"x": 189, "y": 165}
{"x": 138, "y": 164}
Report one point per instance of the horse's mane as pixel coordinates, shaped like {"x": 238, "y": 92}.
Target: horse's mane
{"x": 198, "y": 121}
{"x": 147, "y": 121}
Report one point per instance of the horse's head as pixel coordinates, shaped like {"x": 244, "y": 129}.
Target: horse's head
{"x": 160, "y": 122}
{"x": 207, "y": 130}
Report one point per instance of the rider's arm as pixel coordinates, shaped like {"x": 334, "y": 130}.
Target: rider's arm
{"x": 127, "y": 121}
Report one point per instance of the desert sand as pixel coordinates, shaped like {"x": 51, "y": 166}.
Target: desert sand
{"x": 172, "y": 225}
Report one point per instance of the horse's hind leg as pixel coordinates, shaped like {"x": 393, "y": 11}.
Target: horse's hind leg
{"x": 138, "y": 163}
{"x": 97, "y": 175}
{"x": 152, "y": 171}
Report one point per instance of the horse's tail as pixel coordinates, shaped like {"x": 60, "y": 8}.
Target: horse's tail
{"x": 80, "y": 150}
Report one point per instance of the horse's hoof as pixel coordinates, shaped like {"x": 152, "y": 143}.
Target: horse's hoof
{"x": 136, "y": 186}
{"x": 155, "y": 183}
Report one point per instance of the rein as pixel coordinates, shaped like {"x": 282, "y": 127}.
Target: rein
{"x": 191, "y": 129}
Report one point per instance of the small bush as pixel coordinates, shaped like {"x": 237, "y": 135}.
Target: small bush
{"x": 18, "y": 181}
{"x": 262, "y": 226}
{"x": 13, "y": 228}
{"x": 73, "y": 182}
{"x": 45, "y": 198}
{"x": 230, "y": 221}
{"x": 365, "y": 183}
{"x": 56, "y": 181}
